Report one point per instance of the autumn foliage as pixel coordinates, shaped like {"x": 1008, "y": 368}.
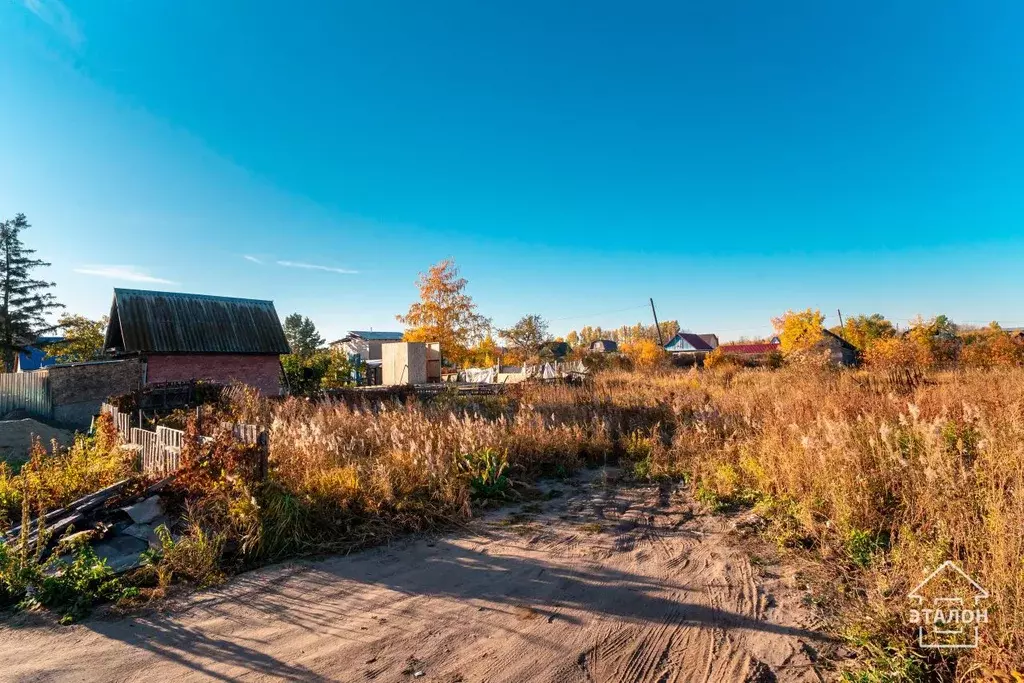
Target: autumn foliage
{"x": 645, "y": 354}
{"x": 799, "y": 330}
{"x": 445, "y": 313}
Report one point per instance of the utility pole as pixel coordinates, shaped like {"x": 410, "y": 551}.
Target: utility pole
{"x": 841, "y": 326}
{"x": 656, "y": 325}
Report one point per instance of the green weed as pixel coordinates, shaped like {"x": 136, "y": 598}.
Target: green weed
{"x": 486, "y": 472}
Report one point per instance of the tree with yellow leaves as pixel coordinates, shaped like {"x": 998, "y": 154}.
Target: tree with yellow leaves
{"x": 799, "y": 330}
{"x": 938, "y": 336}
{"x": 903, "y": 352}
{"x": 990, "y": 346}
{"x": 485, "y": 354}
{"x": 445, "y": 313}
{"x": 864, "y": 330}
{"x": 646, "y": 354}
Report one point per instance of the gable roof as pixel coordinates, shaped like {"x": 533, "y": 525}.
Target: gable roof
{"x": 711, "y": 339}
{"x": 142, "y": 321}
{"x": 843, "y": 342}
{"x": 366, "y": 335}
{"x": 687, "y": 341}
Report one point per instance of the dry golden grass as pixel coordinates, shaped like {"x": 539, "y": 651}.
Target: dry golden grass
{"x": 886, "y": 480}
{"x": 883, "y": 478}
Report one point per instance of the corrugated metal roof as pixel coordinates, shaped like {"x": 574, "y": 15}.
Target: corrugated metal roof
{"x": 748, "y": 349}
{"x": 170, "y": 322}
{"x": 376, "y": 336}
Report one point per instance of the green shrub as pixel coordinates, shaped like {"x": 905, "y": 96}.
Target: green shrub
{"x": 196, "y": 556}
{"x": 863, "y": 546}
{"x": 68, "y": 588}
{"x": 486, "y": 472}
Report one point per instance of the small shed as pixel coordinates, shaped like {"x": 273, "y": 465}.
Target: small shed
{"x": 186, "y": 337}
{"x": 751, "y": 350}
{"x": 841, "y": 352}
{"x": 604, "y": 346}
{"x": 411, "y": 363}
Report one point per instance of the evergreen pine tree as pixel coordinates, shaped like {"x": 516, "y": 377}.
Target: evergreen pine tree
{"x": 24, "y": 301}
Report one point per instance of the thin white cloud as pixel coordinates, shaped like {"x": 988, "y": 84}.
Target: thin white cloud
{"x": 126, "y": 273}
{"x": 55, "y": 14}
{"x": 247, "y": 257}
{"x": 313, "y": 266}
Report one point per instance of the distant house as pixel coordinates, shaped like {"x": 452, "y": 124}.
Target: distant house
{"x": 688, "y": 343}
{"x": 687, "y": 349}
{"x": 184, "y": 337}
{"x": 604, "y": 346}
{"x": 554, "y": 350}
{"x": 34, "y": 356}
{"x": 841, "y": 352}
{"x": 365, "y": 343}
{"x": 711, "y": 339}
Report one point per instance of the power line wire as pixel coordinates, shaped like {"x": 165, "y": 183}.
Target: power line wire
{"x": 593, "y": 315}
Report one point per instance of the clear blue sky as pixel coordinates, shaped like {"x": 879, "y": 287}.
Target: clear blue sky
{"x": 730, "y": 159}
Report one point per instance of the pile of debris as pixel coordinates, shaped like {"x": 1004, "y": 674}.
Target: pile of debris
{"x": 119, "y": 524}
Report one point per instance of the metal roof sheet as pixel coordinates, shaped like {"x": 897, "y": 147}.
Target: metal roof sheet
{"x": 748, "y": 349}
{"x": 142, "y": 321}
{"x": 376, "y": 336}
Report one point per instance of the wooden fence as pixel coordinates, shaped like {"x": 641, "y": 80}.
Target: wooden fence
{"x": 160, "y": 450}
{"x": 28, "y": 391}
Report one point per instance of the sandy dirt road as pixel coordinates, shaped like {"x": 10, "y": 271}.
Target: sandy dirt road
{"x": 601, "y": 583}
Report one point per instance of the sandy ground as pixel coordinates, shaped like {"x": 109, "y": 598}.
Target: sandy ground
{"x": 602, "y": 583}
{"x": 16, "y": 437}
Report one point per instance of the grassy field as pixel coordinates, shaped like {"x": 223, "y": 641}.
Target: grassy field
{"x": 879, "y": 478}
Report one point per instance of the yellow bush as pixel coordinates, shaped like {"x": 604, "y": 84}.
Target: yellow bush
{"x": 719, "y": 359}
{"x": 899, "y": 352}
{"x": 646, "y": 354}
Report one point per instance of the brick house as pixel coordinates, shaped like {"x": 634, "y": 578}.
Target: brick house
{"x": 184, "y": 337}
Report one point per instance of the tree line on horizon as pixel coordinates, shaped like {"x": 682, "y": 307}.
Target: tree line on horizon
{"x": 446, "y": 313}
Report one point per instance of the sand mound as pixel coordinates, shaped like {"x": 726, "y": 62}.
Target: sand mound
{"x": 16, "y": 437}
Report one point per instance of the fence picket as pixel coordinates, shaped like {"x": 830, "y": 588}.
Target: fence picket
{"x": 160, "y": 450}
{"x": 170, "y": 441}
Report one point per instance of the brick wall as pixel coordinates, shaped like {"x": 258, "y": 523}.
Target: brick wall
{"x": 94, "y": 381}
{"x": 77, "y": 391}
{"x": 261, "y": 372}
